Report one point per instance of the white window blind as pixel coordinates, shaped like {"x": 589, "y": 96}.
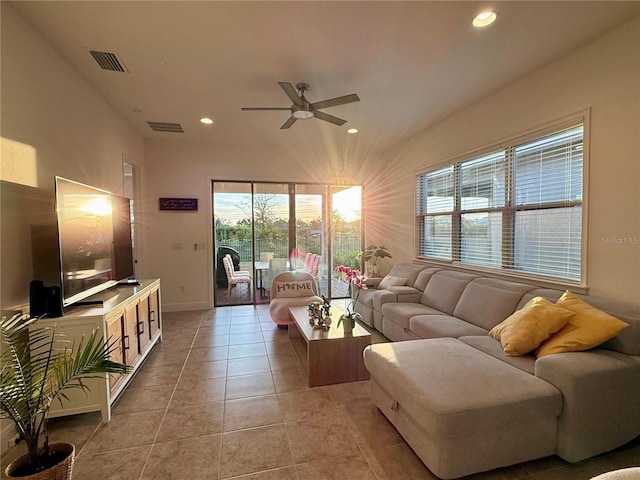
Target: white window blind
{"x": 517, "y": 209}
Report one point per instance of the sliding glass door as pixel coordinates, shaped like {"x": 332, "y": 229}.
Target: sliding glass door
{"x": 266, "y": 228}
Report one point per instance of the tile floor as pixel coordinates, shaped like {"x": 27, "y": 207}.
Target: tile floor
{"x": 223, "y": 397}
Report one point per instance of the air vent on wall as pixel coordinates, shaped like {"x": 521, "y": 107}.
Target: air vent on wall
{"x": 109, "y": 61}
{"x": 166, "y": 127}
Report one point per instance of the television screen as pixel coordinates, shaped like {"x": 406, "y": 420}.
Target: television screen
{"x": 94, "y": 231}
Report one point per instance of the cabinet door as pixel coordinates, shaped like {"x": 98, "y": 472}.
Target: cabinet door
{"x": 130, "y": 337}
{"x": 154, "y": 312}
{"x": 114, "y": 334}
{"x": 143, "y": 323}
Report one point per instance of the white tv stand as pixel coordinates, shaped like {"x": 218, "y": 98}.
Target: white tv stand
{"x": 130, "y": 316}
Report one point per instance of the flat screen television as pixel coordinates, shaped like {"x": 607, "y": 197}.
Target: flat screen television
{"x": 94, "y": 233}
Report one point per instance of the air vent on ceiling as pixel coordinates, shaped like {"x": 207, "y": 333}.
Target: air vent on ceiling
{"x": 166, "y": 127}
{"x": 109, "y": 61}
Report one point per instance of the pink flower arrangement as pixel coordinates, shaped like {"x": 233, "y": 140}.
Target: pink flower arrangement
{"x": 353, "y": 276}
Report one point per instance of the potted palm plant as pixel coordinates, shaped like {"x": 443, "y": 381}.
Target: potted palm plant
{"x": 34, "y": 372}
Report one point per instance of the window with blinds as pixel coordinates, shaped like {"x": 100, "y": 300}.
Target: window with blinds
{"x": 516, "y": 209}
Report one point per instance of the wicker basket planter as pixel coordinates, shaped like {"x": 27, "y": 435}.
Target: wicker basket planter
{"x": 60, "y": 471}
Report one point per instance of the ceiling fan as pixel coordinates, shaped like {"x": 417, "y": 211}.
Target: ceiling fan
{"x": 302, "y": 109}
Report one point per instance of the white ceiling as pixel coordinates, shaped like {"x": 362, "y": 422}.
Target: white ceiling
{"x": 411, "y": 63}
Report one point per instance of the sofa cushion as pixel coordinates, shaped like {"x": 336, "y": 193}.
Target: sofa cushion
{"x": 486, "y": 394}
{"x": 423, "y": 278}
{"x": 444, "y": 289}
{"x": 440, "y": 326}
{"x": 401, "y": 312}
{"x": 486, "y": 302}
{"x": 409, "y": 271}
{"x": 391, "y": 281}
{"x": 491, "y": 346}
{"x": 587, "y": 329}
{"x": 526, "y": 329}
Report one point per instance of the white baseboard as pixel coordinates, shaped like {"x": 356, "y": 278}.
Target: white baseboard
{"x": 183, "y": 307}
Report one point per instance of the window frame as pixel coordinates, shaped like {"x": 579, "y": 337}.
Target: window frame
{"x": 509, "y": 209}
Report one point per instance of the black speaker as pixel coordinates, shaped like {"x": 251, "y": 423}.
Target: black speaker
{"x": 37, "y": 298}
{"x": 54, "y": 302}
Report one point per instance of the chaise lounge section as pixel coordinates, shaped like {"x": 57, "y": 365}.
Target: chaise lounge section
{"x": 464, "y": 405}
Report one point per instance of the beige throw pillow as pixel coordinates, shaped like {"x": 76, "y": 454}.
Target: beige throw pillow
{"x": 391, "y": 281}
{"x": 587, "y": 329}
{"x": 527, "y": 328}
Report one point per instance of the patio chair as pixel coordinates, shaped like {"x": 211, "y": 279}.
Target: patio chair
{"x": 235, "y": 278}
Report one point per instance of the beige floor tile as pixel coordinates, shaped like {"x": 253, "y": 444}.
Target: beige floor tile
{"x": 319, "y": 438}
{"x": 205, "y": 370}
{"x": 254, "y": 450}
{"x": 166, "y": 355}
{"x": 193, "y": 392}
{"x": 305, "y": 404}
{"x": 207, "y": 340}
{"x": 284, "y": 362}
{"x": 245, "y": 338}
{"x": 162, "y": 375}
{"x": 279, "y": 347}
{"x": 290, "y": 381}
{"x": 186, "y": 459}
{"x": 398, "y": 461}
{"x": 369, "y": 426}
{"x": 191, "y": 421}
{"x": 251, "y": 412}
{"x": 76, "y": 429}
{"x": 216, "y": 321}
{"x": 207, "y": 354}
{"x": 125, "y": 431}
{"x": 353, "y": 466}
{"x": 285, "y": 473}
{"x": 349, "y": 392}
{"x": 248, "y": 366}
{"x": 247, "y": 350}
{"x": 115, "y": 465}
{"x": 237, "y": 328}
{"x": 144, "y": 399}
{"x": 250, "y": 386}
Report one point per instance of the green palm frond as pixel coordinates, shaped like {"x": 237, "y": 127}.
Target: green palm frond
{"x": 38, "y": 365}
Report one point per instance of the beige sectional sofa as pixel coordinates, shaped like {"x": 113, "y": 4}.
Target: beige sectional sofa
{"x": 463, "y": 405}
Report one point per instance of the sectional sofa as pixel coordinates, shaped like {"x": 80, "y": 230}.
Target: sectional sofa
{"x": 463, "y": 404}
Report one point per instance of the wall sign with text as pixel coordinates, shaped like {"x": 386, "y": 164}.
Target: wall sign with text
{"x": 179, "y": 204}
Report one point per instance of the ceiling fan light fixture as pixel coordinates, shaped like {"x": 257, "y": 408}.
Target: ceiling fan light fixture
{"x": 302, "y": 113}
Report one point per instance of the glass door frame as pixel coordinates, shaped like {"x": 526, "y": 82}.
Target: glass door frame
{"x": 327, "y": 230}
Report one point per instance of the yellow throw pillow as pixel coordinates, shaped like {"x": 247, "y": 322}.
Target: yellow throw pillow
{"x": 527, "y": 328}
{"x": 587, "y": 329}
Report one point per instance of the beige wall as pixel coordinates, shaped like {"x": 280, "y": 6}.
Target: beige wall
{"x": 52, "y": 123}
{"x": 603, "y": 76}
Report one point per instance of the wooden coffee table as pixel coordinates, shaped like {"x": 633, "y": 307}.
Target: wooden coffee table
{"x": 328, "y": 356}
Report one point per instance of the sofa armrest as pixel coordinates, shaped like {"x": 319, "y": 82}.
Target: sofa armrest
{"x": 600, "y": 400}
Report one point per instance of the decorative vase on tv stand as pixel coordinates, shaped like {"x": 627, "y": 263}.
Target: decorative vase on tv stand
{"x": 35, "y": 372}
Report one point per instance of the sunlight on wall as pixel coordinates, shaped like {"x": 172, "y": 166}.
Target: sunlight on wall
{"x": 18, "y": 163}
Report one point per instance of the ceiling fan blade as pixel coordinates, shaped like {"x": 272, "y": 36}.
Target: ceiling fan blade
{"x": 291, "y": 93}
{"x": 288, "y": 123}
{"x": 333, "y": 102}
{"x": 246, "y": 109}
{"x": 329, "y": 118}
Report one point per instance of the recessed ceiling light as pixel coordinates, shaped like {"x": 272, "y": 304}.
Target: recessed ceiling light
{"x": 206, "y": 120}
{"x": 352, "y": 130}
{"x": 484, "y": 19}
